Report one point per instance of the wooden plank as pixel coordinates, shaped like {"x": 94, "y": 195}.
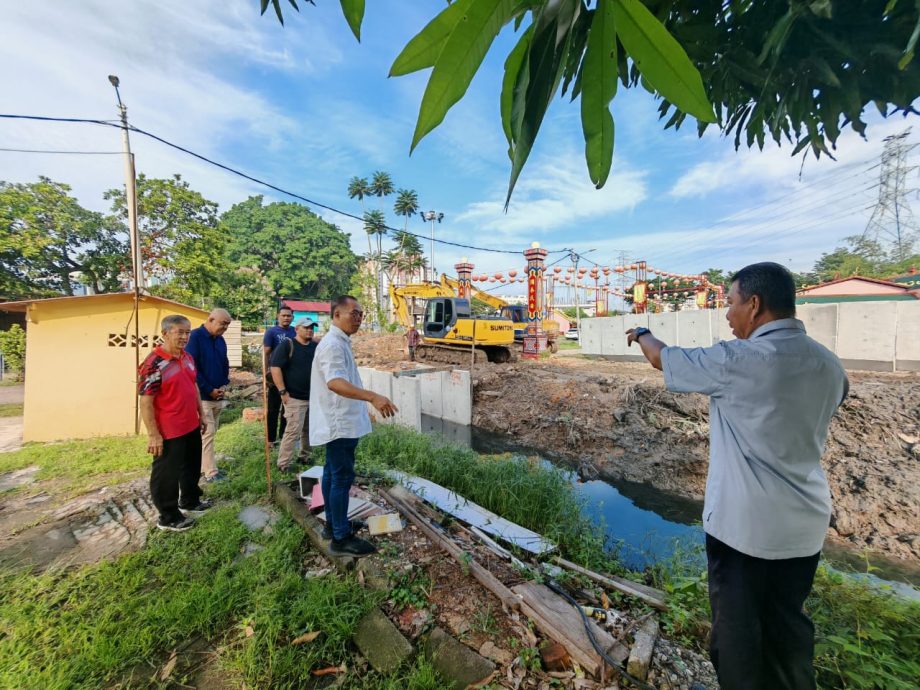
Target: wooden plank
{"x": 559, "y": 620}
{"x": 651, "y": 596}
{"x": 472, "y": 514}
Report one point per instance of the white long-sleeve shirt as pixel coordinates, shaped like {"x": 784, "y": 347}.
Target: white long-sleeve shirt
{"x": 333, "y": 416}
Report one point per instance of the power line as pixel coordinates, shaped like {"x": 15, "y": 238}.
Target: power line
{"x": 81, "y": 153}
{"x": 891, "y": 215}
{"x": 239, "y": 173}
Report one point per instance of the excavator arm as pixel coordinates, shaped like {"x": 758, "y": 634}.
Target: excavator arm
{"x": 399, "y": 298}
{"x": 493, "y": 301}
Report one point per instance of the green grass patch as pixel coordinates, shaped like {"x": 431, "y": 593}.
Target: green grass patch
{"x": 866, "y": 638}
{"x": 10, "y": 409}
{"x": 566, "y": 344}
{"x": 90, "y": 627}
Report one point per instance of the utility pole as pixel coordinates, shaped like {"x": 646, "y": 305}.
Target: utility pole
{"x": 892, "y": 221}
{"x": 137, "y": 267}
{"x": 432, "y": 216}
{"x": 573, "y": 256}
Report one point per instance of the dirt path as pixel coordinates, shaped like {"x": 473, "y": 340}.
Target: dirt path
{"x": 618, "y": 419}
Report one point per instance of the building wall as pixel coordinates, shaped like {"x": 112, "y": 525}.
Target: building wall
{"x": 81, "y": 363}
{"x": 880, "y": 336}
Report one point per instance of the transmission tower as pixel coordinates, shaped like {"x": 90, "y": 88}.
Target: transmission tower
{"x": 892, "y": 222}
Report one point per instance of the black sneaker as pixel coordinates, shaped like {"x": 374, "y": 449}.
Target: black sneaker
{"x": 177, "y": 525}
{"x": 199, "y": 509}
{"x": 356, "y": 526}
{"x": 352, "y": 546}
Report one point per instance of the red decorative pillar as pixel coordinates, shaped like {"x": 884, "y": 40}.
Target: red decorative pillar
{"x": 534, "y": 336}
{"x": 464, "y": 276}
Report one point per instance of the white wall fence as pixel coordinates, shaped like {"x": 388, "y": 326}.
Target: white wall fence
{"x": 441, "y": 394}
{"x": 879, "y": 336}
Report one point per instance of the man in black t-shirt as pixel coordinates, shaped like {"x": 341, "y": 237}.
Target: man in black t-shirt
{"x": 291, "y": 363}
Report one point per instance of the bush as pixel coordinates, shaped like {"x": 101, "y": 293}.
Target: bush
{"x": 13, "y": 347}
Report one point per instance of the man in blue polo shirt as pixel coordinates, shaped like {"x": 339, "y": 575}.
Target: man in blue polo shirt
{"x": 271, "y": 340}
{"x": 207, "y": 347}
{"x": 772, "y": 394}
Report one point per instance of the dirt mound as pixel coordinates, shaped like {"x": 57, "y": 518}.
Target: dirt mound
{"x": 380, "y": 350}
{"x": 617, "y": 418}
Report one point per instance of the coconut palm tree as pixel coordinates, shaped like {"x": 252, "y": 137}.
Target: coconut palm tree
{"x": 381, "y": 185}
{"x": 358, "y": 188}
{"x": 406, "y": 205}
{"x": 375, "y": 224}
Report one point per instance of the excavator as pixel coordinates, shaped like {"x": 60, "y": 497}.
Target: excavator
{"x": 516, "y": 313}
{"x": 449, "y": 329}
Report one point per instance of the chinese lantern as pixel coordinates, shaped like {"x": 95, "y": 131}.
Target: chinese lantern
{"x": 512, "y": 273}
{"x": 557, "y": 269}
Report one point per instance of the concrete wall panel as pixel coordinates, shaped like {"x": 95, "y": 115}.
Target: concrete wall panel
{"x": 430, "y": 393}
{"x": 611, "y": 343}
{"x": 725, "y": 331}
{"x": 591, "y": 336}
{"x": 907, "y": 344}
{"x": 664, "y": 327}
{"x": 694, "y": 329}
{"x": 407, "y": 397}
{"x": 456, "y": 397}
{"x": 865, "y": 334}
{"x": 820, "y": 323}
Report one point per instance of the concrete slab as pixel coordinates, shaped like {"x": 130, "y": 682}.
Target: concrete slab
{"x": 664, "y": 327}
{"x": 820, "y": 323}
{"x": 381, "y": 643}
{"x": 694, "y": 328}
{"x": 456, "y": 397}
{"x": 407, "y": 397}
{"x": 256, "y": 517}
{"x": 457, "y": 664}
{"x": 430, "y": 392}
{"x": 865, "y": 331}
{"x": 591, "y": 336}
{"x": 613, "y": 338}
{"x": 725, "y": 331}
{"x": 907, "y": 336}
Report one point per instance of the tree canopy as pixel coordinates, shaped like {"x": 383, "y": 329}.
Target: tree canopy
{"x": 298, "y": 253}
{"x": 795, "y": 71}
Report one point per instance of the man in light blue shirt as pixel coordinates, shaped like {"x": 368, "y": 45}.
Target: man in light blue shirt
{"x": 339, "y": 418}
{"x": 772, "y": 394}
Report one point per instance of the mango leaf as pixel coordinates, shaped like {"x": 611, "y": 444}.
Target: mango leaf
{"x": 599, "y": 86}
{"x": 459, "y": 60}
{"x": 513, "y": 64}
{"x": 576, "y": 49}
{"x": 425, "y": 47}
{"x": 552, "y": 34}
{"x": 661, "y": 59}
{"x": 354, "y": 15}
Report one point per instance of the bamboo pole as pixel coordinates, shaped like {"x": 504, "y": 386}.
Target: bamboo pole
{"x": 268, "y": 459}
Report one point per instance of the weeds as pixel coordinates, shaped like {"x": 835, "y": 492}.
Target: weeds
{"x": 11, "y": 410}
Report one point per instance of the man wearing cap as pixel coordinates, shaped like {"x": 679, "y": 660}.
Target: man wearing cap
{"x": 273, "y": 338}
{"x": 291, "y": 363}
{"x": 207, "y": 347}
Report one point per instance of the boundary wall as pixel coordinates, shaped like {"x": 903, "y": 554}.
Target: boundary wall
{"x": 441, "y": 394}
{"x": 875, "y": 336}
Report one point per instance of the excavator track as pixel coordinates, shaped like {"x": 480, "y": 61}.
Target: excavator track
{"x": 460, "y": 355}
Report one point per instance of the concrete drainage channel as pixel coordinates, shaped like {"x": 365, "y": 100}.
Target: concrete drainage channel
{"x": 425, "y": 391}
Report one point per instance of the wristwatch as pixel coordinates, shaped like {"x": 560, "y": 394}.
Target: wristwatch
{"x": 639, "y": 332}
{"x": 283, "y": 391}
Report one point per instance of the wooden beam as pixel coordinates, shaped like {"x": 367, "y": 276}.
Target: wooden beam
{"x": 651, "y": 596}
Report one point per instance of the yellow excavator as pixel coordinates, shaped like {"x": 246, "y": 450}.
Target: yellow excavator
{"x": 516, "y": 313}
{"x": 449, "y": 329}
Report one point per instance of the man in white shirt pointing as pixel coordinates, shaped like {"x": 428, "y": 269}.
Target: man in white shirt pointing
{"x": 339, "y": 418}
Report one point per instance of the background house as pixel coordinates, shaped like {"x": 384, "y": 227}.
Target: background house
{"x": 81, "y": 360}
{"x": 312, "y": 310}
{"x": 856, "y": 289}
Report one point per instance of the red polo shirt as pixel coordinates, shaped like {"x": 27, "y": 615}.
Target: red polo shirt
{"x": 171, "y": 382}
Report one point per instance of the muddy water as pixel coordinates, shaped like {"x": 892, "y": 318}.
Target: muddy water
{"x": 646, "y": 525}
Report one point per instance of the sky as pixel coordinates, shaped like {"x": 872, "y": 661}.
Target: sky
{"x": 306, "y": 107}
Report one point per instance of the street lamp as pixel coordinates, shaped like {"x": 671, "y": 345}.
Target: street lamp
{"x": 432, "y": 216}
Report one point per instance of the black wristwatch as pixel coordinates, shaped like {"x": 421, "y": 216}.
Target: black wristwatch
{"x": 283, "y": 391}
{"x": 639, "y": 332}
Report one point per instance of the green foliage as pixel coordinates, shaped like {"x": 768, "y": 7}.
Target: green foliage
{"x": 412, "y": 588}
{"x": 11, "y": 409}
{"x": 181, "y": 245}
{"x": 862, "y": 257}
{"x": 48, "y": 242}
{"x": 247, "y": 295}
{"x": 13, "y": 348}
{"x": 297, "y": 252}
{"x": 796, "y": 71}
{"x": 599, "y": 86}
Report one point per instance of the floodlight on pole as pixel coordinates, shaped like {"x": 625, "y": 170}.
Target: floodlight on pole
{"x": 432, "y": 216}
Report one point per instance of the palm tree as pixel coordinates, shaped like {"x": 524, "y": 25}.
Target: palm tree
{"x": 381, "y": 185}
{"x": 407, "y": 256}
{"x": 375, "y": 224}
{"x": 406, "y": 205}
{"x": 358, "y": 188}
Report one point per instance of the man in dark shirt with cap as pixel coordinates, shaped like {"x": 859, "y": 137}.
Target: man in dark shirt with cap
{"x": 291, "y": 363}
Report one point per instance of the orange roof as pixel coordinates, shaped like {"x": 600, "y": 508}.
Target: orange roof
{"x": 877, "y": 281}
{"x": 23, "y": 305}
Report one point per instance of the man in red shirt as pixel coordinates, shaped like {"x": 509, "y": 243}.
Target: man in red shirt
{"x": 172, "y": 412}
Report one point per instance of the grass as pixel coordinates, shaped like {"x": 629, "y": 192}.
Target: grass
{"x": 10, "y": 409}
{"x": 865, "y": 638}
{"x": 114, "y": 624}
{"x": 566, "y": 344}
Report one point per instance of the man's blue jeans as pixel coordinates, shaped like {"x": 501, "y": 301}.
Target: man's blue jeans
{"x": 338, "y": 475}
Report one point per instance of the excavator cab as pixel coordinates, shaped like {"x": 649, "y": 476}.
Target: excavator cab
{"x": 441, "y": 313}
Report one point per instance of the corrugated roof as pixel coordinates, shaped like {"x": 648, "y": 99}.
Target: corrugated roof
{"x": 23, "y": 305}
{"x": 306, "y": 305}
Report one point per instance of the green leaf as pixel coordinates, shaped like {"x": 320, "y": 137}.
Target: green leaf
{"x": 911, "y": 44}
{"x": 425, "y": 47}
{"x": 354, "y": 15}
{"x": 661, "y": 59}
{"x": 459, "y": 60}
{"x": 545, "y": 65}
{"x": 599, "y": 86}
{"x": 513, "y": 64}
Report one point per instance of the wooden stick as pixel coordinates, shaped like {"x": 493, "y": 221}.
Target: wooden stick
{"x": 485, "y": 578}
{"x": 619, "y": 584}
{"x": 268, "y": 458}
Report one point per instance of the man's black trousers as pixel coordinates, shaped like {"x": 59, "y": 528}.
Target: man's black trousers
{"x": 761, "y": 638}
{"x": 274, "y": 408}
{"x": 175, "y": 474}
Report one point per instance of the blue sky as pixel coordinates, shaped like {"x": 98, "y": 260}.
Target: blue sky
{"x": 306, "y": 107}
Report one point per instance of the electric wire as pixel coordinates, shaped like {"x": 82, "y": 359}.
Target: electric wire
{"x": 80, "y": 153}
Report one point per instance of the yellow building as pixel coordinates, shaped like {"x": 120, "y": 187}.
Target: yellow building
{"x": 81, "y": 355}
